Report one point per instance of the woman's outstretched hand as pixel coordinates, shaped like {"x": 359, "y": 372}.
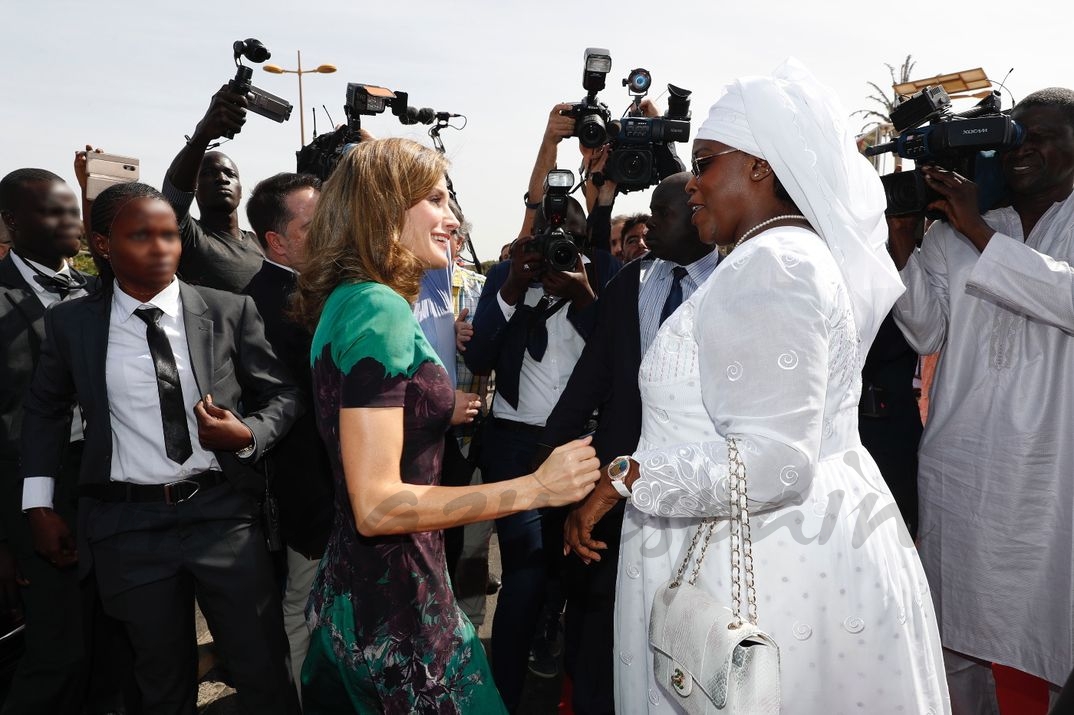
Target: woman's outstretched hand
{"x": 569, "y": 473}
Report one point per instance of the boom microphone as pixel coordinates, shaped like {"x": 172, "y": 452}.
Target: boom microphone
{"x": 427, "y": 115}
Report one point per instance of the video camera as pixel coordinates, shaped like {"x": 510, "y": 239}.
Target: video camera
{"x": 966, "y": 143}
{"x": 640, "y": 154}
{"x": 321, "y": 155}
{"x": 555, "y": 243}
{"x": 260, "y": 102}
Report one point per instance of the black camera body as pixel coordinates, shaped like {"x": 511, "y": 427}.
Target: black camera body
{"x": 591, "y": 118}
{"x": 557, "y": 246}
{"x": 641, "y": 156}
{"x": 369, "y": 99}
{"x": 966, "y": 143}
{"x": 260, "y": 102}
{"x": 321, "y": 155}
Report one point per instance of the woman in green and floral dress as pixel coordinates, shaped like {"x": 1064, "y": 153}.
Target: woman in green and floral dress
{"x": 387, "y": 633}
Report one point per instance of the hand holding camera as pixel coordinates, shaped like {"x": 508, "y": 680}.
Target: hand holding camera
{"x": 572, "y": 285}
{"x": 959, "y": 203}
{"x": 224, "y": 117}
{"x": 526, "y": 265}
{"x": 560, "y": 124}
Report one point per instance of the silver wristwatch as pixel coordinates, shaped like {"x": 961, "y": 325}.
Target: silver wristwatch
{"x": 618, "y": 469}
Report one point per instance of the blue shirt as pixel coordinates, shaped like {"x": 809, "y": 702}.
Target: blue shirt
{"x": 655, "y": 284}
{"x": 435, "y": 315}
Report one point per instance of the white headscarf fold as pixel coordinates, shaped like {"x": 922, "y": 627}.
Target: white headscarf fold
{"x": 799, "y": 127}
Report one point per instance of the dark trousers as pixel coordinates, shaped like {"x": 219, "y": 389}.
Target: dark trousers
{"x": 152, "y": 559}
{"x": 508, "y": 454}
{"x": 589, "y": 619}
{"x": 456, "y": 471}
{"x": 76, "y": 659}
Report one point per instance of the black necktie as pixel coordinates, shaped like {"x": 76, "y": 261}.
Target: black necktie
{"x": 172, "y": 409}
{"x": 537, "y": 333}
{"x": 674, "y": 299}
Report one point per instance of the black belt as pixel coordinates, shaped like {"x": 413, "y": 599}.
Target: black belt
{"x": 171, "y": 493}
{"x": 512, "y": 426}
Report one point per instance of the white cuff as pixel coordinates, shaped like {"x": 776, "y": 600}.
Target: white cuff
{"x": 37, "y": 492}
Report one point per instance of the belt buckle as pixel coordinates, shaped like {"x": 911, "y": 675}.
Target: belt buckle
{"x": 169, "y": 498}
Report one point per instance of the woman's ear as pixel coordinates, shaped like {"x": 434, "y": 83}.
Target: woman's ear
{"x": 760, "y": 170}
{"x": 99, "y": 244}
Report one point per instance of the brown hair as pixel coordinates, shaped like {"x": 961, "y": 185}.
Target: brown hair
{"x": 355, "y": 231}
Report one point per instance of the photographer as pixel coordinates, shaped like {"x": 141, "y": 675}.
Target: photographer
{"x": 560, "y": 127}
{"x": 993, "y": 293}
{"x": 216, "y": 252}
{"x": 530, "y": 326}
{"x": 598, "y": 199}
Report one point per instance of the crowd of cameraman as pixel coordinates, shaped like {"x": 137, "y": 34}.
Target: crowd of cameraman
{"x": 991, "y": 295}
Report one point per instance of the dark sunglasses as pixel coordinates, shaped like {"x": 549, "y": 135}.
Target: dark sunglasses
{"x": 698, "y": 163}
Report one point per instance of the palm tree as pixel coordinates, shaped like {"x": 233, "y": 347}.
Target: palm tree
{"x": 880, "y": 124}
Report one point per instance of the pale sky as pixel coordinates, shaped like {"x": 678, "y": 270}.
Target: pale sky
{"x": 135, "y": 77}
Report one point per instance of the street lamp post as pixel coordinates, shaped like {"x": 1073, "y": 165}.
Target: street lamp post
{"x": 320, "y": 69}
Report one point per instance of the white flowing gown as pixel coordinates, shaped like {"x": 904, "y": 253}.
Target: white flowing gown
{"x": 766, "y": 350}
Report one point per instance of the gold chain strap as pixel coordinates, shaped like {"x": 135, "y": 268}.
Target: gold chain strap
{"x": 741, "y": 543}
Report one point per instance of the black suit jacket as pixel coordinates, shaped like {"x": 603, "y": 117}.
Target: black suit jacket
{"x": 300, "y": 471}
{"x": 606, "y": 376}
{"x": 22, "y": 330}
{"x": 230, "y": 357}
{"x": 605, "y": 379}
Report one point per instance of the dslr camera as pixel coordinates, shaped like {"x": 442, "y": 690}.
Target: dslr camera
{"x": 966, "y": 143}
{"x": 260, "y": 102}
{"x": 557, "y": 247}
{"x": 591, "y": 116}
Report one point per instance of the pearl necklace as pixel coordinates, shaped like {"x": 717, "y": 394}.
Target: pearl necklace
{"x": 762, "y": 224}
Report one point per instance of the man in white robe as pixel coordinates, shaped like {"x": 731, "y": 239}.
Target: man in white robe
{"x": 995, "y": 296}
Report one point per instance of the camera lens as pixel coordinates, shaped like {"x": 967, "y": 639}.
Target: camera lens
{"x": 906, "y": 193}
{"x": 562, "y": 255}
{"x": 591, "y": 131}
{"x": 634, "y": 166}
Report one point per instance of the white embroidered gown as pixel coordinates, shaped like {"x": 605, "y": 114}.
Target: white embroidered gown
{"x": 766, "y": 350}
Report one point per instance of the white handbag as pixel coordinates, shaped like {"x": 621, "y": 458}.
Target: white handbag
{"x": 707, "y": 658}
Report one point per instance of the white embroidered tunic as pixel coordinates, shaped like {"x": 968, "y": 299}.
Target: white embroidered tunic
{"x": 766, "y": 350}
{"x": 996, "y": 472}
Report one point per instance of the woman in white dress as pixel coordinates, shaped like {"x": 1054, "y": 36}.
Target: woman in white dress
{"x": 769, "y": 350}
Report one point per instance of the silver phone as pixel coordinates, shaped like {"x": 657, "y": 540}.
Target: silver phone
{"x": 103, "y": 170}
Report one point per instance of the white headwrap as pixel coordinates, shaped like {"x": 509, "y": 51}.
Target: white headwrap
{"x": 799, "y": 127}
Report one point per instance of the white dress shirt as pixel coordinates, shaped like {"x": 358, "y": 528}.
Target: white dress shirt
{"x": 541, "y": 383}
{"x": 138, "y": 453}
